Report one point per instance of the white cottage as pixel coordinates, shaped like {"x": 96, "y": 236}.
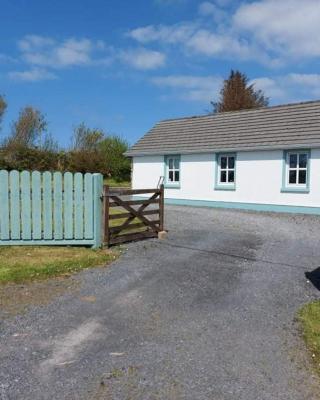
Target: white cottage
{"x": 265, "y": 159}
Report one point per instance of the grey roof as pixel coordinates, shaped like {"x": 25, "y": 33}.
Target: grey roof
{"x": 279, "y": 127}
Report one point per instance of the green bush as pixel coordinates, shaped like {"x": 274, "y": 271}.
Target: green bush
{"x": 108, "y": 159}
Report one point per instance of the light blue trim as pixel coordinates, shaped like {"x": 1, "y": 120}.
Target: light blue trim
{"x": 43, "y": 242}
{"x": 220, "y": 186}
{"x": 225, "y": 187}
{"x": 245, "y": 206}
{"x": 291, "y": 189}
{"x": 168, "y": 185}
{"x": 294, "y": 190}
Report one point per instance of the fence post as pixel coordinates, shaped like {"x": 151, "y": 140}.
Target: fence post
{"x": 161, "y": 208}
{"x": 106, "y": 233}
{"x": 97, "y": 212}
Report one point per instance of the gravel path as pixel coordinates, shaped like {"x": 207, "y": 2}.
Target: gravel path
{"x": 206, "y": 314}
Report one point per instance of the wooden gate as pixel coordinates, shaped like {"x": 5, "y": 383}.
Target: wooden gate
{"x": 124, "y": 222}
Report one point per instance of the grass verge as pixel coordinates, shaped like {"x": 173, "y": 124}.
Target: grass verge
{"x": 309, "y": 317}
{"x": 114, "y": 183}
{"x": 27, "y": 263}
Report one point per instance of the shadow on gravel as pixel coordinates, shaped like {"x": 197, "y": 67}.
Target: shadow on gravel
{"x": 314, "y": 277}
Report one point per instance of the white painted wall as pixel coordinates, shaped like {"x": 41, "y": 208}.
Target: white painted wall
{"x": 258, "y": 178}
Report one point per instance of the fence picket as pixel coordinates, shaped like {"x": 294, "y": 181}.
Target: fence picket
{"x": 57, "y": 206}
{"x": 88, "y": 209}
{"x": 36, "y": 205}
{"x": 4, "y": 206}
{"x": 47, "y": 206}
{"x": 78, "y": 204}
{"x": 25, "y": 205}
{"x": 14, "y": 182}
{"x": 68, "y": 214}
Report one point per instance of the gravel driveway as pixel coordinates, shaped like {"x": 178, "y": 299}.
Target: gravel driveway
{"x": 206, "y": 314}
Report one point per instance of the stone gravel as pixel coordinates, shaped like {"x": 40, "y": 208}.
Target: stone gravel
{"x": 207, "y": 314}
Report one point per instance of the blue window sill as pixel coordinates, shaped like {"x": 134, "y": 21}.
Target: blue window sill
{"x": 225, "y": 187}
{"x": 173, "y": 186}
{"x": 294, "y": 190}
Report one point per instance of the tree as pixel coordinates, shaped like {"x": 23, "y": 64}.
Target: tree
{"x": 85, "y": 154}
{"x": 119, "y": 166}
{"x": 237, "y": 94}
{"x": 3, "y": 106}
{"x": 28, "y": 130}
{"x": 86, "y": 139}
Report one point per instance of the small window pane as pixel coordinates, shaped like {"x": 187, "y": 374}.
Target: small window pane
{"x": 293, "y": 177}
{"x": 231, "y": 176}
{"x": 223, "y": 162}
{"x": 223, "y": 176}
{"x": 170, "y": 176}
{"x": 293, "y": 160}
{"x": 170, "y": 163}
{"x": 176, "y": 163}
{"x": 303, "y": 177}
{"x": 231, "y": 162}
{"x": 176, "y": 176}
{"x": 302, "y": 160}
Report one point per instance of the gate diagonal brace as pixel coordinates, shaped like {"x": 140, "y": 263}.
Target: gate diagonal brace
{"x": 136, "y": 213}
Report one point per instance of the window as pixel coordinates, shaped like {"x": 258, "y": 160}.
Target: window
{"x": 173, "y": 171}
{"x": 226, "y": 171}
{"x": 296, "y": 174}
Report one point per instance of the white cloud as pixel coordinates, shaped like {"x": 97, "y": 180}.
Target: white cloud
{"x": 210, "y": 44}
{"x": 194, "y": 39}
{"x": 32, "y": 42}
{"x": 312, "y": 80}
{"x": 44, "y": 51}
{"x": 286, "y": 88}
{"x": 271, "y": 88}
{"x": 286, "y": 27}
{"x": 191, "y": 88}
{"x": 290, "y": 87}
{"x": 32, "y": 75}
{"x": 209, "y": 9}
{"x": 271, "y": 32}
{"x": 143, "y": 59}
{"x": 163, "y": 33}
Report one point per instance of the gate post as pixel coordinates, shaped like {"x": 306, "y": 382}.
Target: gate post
{"x": 97, "y": 209}
{"x": 106, "y": 233}
{"x": 161, "y": 207}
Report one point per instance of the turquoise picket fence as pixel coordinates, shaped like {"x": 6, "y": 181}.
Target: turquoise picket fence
{"x": 50, "y": 208}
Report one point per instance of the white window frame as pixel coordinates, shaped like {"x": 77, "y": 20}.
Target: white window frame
{"x": 227, "y": 169}
{"x": 297, "y": 168}
{"x": 173, "y": 169}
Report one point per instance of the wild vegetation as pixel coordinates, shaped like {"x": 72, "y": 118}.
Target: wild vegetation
{"x": 309, "y": 317}
{"x": 29, "y": 145}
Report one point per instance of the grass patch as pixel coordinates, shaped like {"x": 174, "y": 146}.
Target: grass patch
{"x": 26, "y": 263}
{"x": 114, "y": 183}
{"x": 309, "y": 317}
{"x": 120, "y": 221}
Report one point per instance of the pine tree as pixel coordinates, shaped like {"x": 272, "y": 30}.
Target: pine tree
{"x": 237, "y": 94}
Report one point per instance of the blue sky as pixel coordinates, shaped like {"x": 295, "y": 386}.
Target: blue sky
{"x": 123, "y": 65}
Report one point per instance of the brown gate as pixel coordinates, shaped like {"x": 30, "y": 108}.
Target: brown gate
{"x": 127, "y": 218}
